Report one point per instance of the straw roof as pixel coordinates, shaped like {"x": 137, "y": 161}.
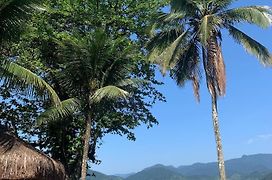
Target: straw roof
{"x": 19, "y": 160}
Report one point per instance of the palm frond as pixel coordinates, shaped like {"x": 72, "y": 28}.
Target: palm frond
{"x": 66, "y": 108}
{"x": 196, "y": 86}
{"x": 186, "y": 6}
{"x": 132, "y": 82}
{"x": 216, "y": 67}
{"x": 164, "y": 38}
{"x": 205, "y": 30}
{"x": 186, "y": 68}
{"x": 222, "y": 4}
{"x": 209, "y": 25}
{"x": 168, "y": 55}
{"x": 251, "y": 45}
{"x": 14, "y": 74}
{"x": 170, "y": 17}
{"x": 259, "y": 15}
{"x": 110, "y": 92}
{"x": 13, "y": 13}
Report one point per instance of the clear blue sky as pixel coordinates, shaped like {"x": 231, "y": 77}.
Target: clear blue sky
{"x": 185, "y": 133}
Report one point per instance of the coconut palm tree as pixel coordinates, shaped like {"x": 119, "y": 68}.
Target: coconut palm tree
{"x": 95, "y": 68}
{"x": 190, "y": 35}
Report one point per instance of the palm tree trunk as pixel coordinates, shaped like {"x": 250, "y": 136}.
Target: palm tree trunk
{"x": 220, "y": 157}
{"x": 86, "y": 147}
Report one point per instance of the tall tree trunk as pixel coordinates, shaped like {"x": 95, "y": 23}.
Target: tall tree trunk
{"x": 87, "y": 137}
{"x": 220, "y": 157}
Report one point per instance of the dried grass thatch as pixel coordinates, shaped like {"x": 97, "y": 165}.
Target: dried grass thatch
{"x": 19, "y": 160}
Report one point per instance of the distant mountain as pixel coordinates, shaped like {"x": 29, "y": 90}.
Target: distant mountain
{"x": 258, "y": 164}
{"x": 94, "y": 175}
{"x": 156, "y": 173}
{"x": 124, "y": 175}
{"x": 252, "y": 167}
{"x": 268, "y": 177}
{"x": 171, "y": 168}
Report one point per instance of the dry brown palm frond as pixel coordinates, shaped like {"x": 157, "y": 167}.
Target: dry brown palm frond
{"x": 216, "y": 68}
{"x": 208, "y": 72}
{"x": 195, "y": 80}
{"x": 220, "y": 71}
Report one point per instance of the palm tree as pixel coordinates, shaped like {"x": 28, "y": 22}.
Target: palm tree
{"x": 191, "y": 34}
{"x": 95, "y": 68}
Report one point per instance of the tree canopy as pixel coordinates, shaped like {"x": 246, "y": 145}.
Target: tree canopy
{"x": 56, "y": 44}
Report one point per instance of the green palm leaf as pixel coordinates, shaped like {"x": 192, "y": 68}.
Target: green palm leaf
{"x": 12, "y": 15}
{"x": 186, "y": 6}
{"x": 169, "y": 55}
{"x": 251, "y": 45}
{"x": 187, "y": 66}
{"x": 209, "y": 25}
{"x": 164, "y": 38}
{"x": 18, "y": 76}
{"x": 171, "y": 17}
{"x": 223, "y": 3}
{"x": 111, "y": 92}
{"x": 205, "y": 30}
{"x": 259, "y": 15}
{"x": 132, "y": 82}
{"x": 66, "y": 108}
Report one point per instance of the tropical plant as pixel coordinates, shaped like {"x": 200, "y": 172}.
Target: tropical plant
{"x": 38, "y": 51}
{"x": 22, "y": 79}
{"x": 13, "y": 14}
{"x": 96, "y": 68}
{"x": 190, "y": 35}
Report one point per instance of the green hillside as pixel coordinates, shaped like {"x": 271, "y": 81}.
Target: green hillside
{"x": 100, "y": 176}
{"x": 156, "y": 173}
{"x": 253, "y": 167}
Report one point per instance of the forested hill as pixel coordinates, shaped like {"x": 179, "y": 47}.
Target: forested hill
{"x": 252, "y": 167}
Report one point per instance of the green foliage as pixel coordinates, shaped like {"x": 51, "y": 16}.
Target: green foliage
{"x": 202, "y": 22}
{"x": 17, "y": 76}
{"x": 258, "y": 15}
{"x": 65, "y": 108}
{"x": 110, "y": 92}
{"x": 13, "y": 14}
{"x": 18, "y": 112}
{"x": 58, "y": 43}
{"x": 251, "y": 45}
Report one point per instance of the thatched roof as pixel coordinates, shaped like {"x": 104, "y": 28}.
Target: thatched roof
{"x": 19, "y": 160}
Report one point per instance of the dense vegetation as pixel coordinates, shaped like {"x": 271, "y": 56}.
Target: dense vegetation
{"x": 91, "y": 61}
{"x": 74, "y": 71}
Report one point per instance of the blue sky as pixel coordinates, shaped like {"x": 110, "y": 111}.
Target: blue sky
{"x": 185, "y": 133}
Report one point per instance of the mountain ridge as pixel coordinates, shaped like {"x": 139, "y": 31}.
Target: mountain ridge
{"x": 248, "y": 167}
